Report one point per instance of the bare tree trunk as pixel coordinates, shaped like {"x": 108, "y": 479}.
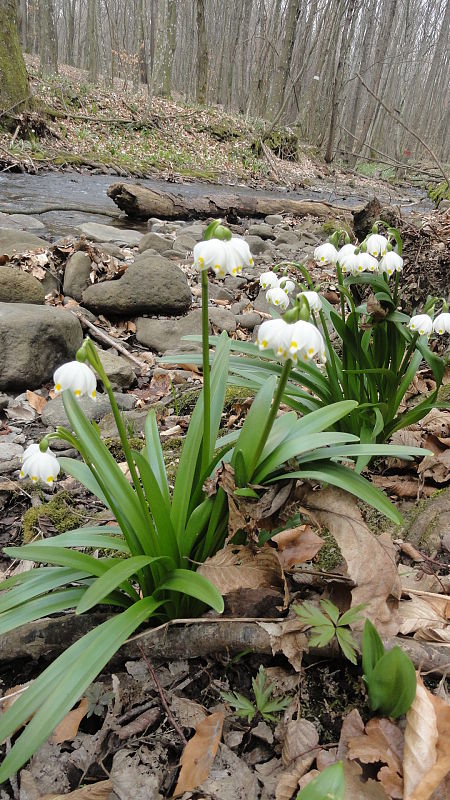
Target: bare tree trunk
{"x": 92, "y": 42}
{"x": 69, "y": 13}
{"x": 48, "y": 43}
{"x": 283, "y": 62}
{"x": 13, "y": 76}
{"x": 344, "y": 43}
{"x": 202, "y": 53}
{"x": 169, "y": 49}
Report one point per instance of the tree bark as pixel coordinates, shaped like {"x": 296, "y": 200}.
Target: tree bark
{"x": 202, "y": 53}
{"x": 13, "y": 75}
{"x": 169, "y": 49}
{"x": 283, "y": 64}
{"x": 48, "y": 43}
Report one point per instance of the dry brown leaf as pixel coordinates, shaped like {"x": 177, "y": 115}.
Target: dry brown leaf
{"x": 199, "y": 753}
{"x": 36, "y": 401}
{"x": 352, "y": 725}
{"x": 239, "y": 567}
{"x": 437, "y": 422}
{"x": 68, "y": 727}
{"x": 417, "y": 614}
{"x": 427, "y": 744}
{"x": 370, "y": 559}
{"x": 299, "y": 751}
{"x": 20, "y": 413}
{"x": 414, "y": 578}
{"x": 436, "y": 467}
{"x": 439, "y": 635}
{"x": 95, "y": 791}
{"x": 357, "y": 789}
{"x": 297, "y": 545}
{"x": 402, "y": 487}
{"x": 392, "y": 782}
{"x": 187, "y": 712}
{"x": 382, "y": 741}
{"x": 287, "y": 637}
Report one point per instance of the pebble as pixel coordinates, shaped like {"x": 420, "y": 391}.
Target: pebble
{"x": 223, "y": 319}
{"x": 273, "y": 219}
{"x": 10, "y": 457}
{"x": 249, "y": 320}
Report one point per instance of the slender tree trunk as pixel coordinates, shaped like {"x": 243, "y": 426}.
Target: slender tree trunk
{"x": 13, "y": 76}
{"x": 202, "y": 54}
{"x": 48, "y": 42}
{"x": 345, "y": 39}
{"x": 283, "y": 62}
{"x": 169, "y": 49}
{"x": 92, "y": 45}
{"x": 70, "y": 30}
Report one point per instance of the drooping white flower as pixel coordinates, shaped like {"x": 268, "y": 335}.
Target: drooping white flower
{"x": 421, "y": 323}
{"x": 306, "y": 342}
{"x": 346, "y": 250}
{"x": 277, "y": 297}
{"x": 376, "y": 244}
{"x": 314, "y": 301}
{"x": 349, "y": 264}
{"x": 325, "y": 253}
{"x": 275, "y": 334}
{"x": 366, "y": 263}
{"x": 287, "y": 285}
{"x": 77, "y": 377}
{"x": 390, "y": 263}
{"x": 39, "y": 466}
{"x": 441, "y": 323}
{"x": 268, "y": 280}
{"x": 223, "y": 257}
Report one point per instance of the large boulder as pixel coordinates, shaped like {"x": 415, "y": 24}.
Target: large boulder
{"x": 15, "y": 241}
{"x": 107, "y": 233}
{"x": 34, "y": 340}
{"x": 152, "y": 285}
{"x": 77, "y": 275}
{"x": 19, "y": 287}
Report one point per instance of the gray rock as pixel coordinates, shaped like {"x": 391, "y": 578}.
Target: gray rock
{"x": 6, "y": 222}
{"x": 288, "y": 250}
{"x": 162, "y": 335}
{"x": 34, "y": 340}
{"x": 249, "y": 320}
{"x": 444, "y": 205}
{"x": 186, "y": 240}
{"x": 15, "y": 241}
{"x": 274, "y": 219}
{"x": 118, "y": 370}
{"x": 25, "y": 222}
{"x": 134, "y": 421}
{"x": 151, "y": 285}
{"x": 195, "y": 230}
{"x": 261, "y": 229}
{"x": 261, "y": 304}
{"x": 256, "y": 244}
{"x": 4, "y": 400}
{"x": 113, "y": 250}
{"x": 19, "y": 287}
{"x": 76, "y": 275}
{"x": 223, "y": 320}
{"x": 286, "y": 237}
{"x": 53, "y": 413}
{"x": 50, "y": 283}
{"x": 107, "y": 233}
{"x": 10, "y": 457}
{"x": 218, "y": 292}
{"x": 234, "y": 283}
{"x": 154, "y": 241}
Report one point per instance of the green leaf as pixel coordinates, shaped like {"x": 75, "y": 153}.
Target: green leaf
{"x": 312, "y": 616}
{"x": 372, "y": 648}
{"x": 247, "y": 492}
{"x": 193, "y": 585}
{"x": 323, "y": 418}
{"x": 255, "y": 421}
{"x": 80, "y": 471}
{"x": 392, "y": 684}
{"x": 240, "y": 469}
{"x": 321, "y": 635}
{"x": 329, "y": 785}
{"x": 112, "y": 579}
{"x": 35, "y": 583}
{"x": 39, "y": 607}
{"x": 155, "y": 455}
{"x": 159, "y": 508}
{"x": 61, "y": 557}
{"x": 350, "y": 616}
{"x": 295, "y": 446}
{"x": 242, "y": 705}
{"x": 331, "y": 609}
{"x": 51, "y": 696}
{"x": 89, "y": 537}
{"x": 347, "y": 643}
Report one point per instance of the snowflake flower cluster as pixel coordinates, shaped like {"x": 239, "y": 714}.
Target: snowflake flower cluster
{"x": 299, "y": 341}
{"x": 353, "y": 262}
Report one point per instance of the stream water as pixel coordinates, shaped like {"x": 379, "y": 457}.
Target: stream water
{"x": 23, "y": 192}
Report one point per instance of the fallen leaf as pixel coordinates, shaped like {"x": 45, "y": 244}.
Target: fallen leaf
{"x": 297, "y": 545}
{"x": 20, "y": 413}
{"x": 95, "y": 791}
{"x": 358, "y": 789}
{"x": 381, "y": 741}
{"x": 36, "y": 401}
{"x": 402, "y": 487}
{"x": 427, "y": 744}
{"x": 370, "y": 559}
{"x": 352, "y": 725}
{"x": 288, "y": 638}
{"x": 436, "y": 467}
{"x": 199, "y": 753}
{"x": 238, "y": 567}
{"x": 299, "y": 751}
{"x": 68, "y": 727}
{"x": 187, "y": 712}
{"x": 418, "y": 613}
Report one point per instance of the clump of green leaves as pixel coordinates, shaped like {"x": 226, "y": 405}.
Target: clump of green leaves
{"x": 264, "y": 704}
{"x": 329, "y": 785}
{"x": 389, "y": 675}
{"x": 325, "y": 626}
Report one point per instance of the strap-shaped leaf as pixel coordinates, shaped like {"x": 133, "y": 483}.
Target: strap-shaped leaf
{"x": 155, "y": 455}
{"x": 39, "y": 607}
{"x": 372, "y": 648}
{"x": 193, "y": 585}
{"x": 324, "y": 418}
{"x": 37, "y": 582}
{"x": 392, "y": 683}
{"x": 296, "y": 446}
{"x": 53, "y": 694}
{"x": 113, "y": 579}
{"x": 352, "y": 450}
{"x": 196, "y": 526}
{"x": 80, "y": 471}
{"x": 328, "y": 785}
{"x": 89, "y": 537}
{"x": 255, "y": 421}
{"x": 160, "y": 508}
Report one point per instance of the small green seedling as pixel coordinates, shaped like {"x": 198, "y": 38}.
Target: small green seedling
{"x": 389, "y": 675}
{"x": 329, "y": 785}
{"x": 265, "y": 704}
{"x": 325, "y": 626}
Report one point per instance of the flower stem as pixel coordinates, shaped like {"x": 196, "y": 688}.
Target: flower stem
{"x": 272, "y": 414}
{"x": 206, "y": 374}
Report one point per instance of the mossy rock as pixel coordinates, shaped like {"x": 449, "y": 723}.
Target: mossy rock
{"x": 59, "y": 510}
{"x": 115, "y": 446}
{"x": 281, "y": 141}
{"x": 332, "y": 225}
{"x": 439, "y": 192}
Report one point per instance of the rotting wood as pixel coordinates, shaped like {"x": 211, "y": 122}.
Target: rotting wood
{"x": 140, "y": 202}
{"x": 191, "y": 638}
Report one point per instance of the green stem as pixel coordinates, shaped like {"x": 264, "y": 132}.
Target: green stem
{"x": 206, "y": 456}
{"x": 397, "y": 280}
{"x": 272, "y": 414}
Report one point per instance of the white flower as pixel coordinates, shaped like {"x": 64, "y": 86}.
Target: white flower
{"x": 325, "y": 253}
{"x": 349, "y": 263}
{"x": 346, "y": 250}
{"x": 275, "y": 334}
{"x": 268, "y": 280}
{"x": 306, "y": 342}
{"x": 441, "y": 323}
{"x": 223, "y": 257}
{"x": 366, "y": 263}
{"x": 77, "y": 377}
{"x": 390, "y": 263}
{"x": 376, "y": 245}
{"x": 287, "y": 285}
{"x": 314, "y": 301}
{"x": 39, "y": 466}
{"x": 421, "y": 323}
{"x": 277, "y": 297}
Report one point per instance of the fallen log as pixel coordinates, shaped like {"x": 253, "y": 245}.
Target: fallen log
{"x": 141, "y": 203}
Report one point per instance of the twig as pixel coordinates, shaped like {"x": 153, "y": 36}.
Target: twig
{"x": 398, "y": 119}
{"x": 106, "y": 339}
{"x": 170, "y": 717}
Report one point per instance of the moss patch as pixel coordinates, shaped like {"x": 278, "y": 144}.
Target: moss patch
{"x": 115, "y": 446}
{"x": 59, "y": 510}
{"x": 332, "y": 225}
{"x": 13, "y": 75}
{"x": 329, "y": 555}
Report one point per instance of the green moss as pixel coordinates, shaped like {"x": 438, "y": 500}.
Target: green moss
{"x": 13, "y": 74}
{"x": 329, "y": 555}
{"x": 439, "y": 192}
{"x": 115, "y": 446}
{"x": 331, "y": 225}
{"x": 59, "y": 510}
{"x": 444, "y": 394}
